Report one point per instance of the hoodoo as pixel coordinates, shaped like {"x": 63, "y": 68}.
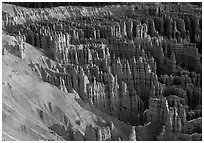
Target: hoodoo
{"x": 102, "y": 71}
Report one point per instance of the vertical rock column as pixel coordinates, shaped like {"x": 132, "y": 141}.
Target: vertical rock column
{"x": 173, "y": 123}
{"x": 129, "y": 29}
{"x": 83, "y": 82}
{"x": 158, "y": 110}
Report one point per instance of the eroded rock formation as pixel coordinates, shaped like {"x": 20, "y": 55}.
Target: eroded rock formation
{"x": 140, "y": 64}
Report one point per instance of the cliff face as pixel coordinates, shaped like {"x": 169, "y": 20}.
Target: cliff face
{"x": 140, "y": 64}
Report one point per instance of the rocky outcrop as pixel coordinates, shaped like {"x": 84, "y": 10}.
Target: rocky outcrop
{"x": 193, "y": 126}
{"x": 189, "y": 90}
{"x": 158, "y": 110}
{"x": 99, "y": 77}
{"x": 112, "y": 56}
{"x": 133, "y": 134}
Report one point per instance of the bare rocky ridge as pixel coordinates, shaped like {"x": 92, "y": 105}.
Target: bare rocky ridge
{"x": 116, "y": 72}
